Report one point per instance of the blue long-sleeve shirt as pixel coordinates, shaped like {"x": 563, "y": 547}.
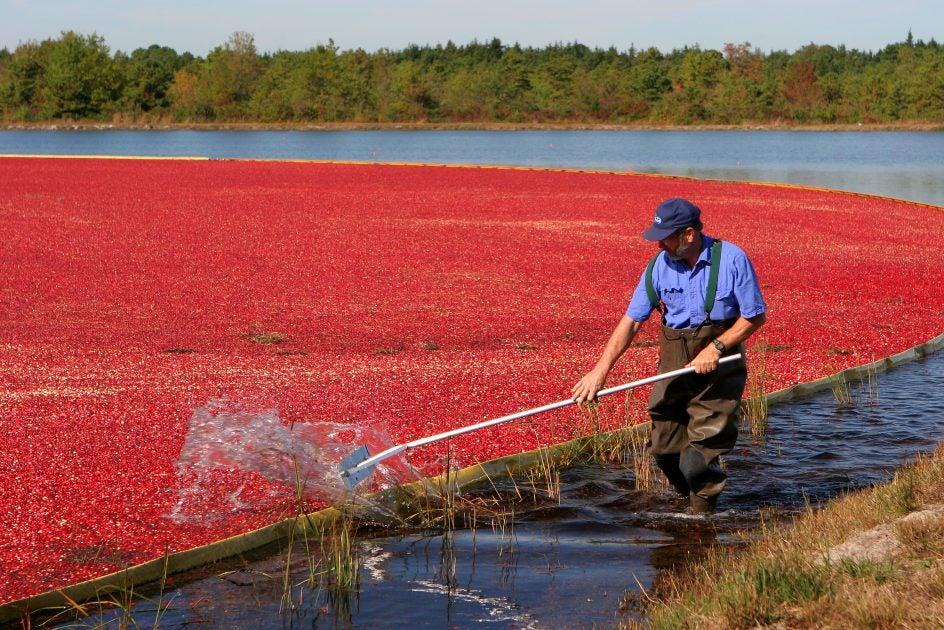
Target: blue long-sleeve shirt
{"x": 682, "y": 289}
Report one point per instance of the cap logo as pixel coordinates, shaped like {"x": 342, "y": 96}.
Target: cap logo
{"x": 658, "y": 219}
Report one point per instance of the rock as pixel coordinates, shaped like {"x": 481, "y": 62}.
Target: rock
{"x": 874, "y": 545}
{"x": 880, "y": 543}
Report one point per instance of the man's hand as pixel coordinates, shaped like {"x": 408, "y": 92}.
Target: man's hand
{"x": 707, "y": 360}
{"x": 622, "y": 336}
{"x": 588, "y": 386}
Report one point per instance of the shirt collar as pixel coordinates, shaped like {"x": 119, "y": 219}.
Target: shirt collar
{"x": 705, "y": 254}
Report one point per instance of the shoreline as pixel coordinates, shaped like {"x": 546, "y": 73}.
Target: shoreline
{"x": 871, "y": 558}
{"x": 93, "y": 125}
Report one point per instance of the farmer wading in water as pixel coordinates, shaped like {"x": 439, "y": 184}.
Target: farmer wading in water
{"x": 711, "y": 303}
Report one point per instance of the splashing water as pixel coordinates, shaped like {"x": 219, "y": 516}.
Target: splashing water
{"x": 256, "y": 448}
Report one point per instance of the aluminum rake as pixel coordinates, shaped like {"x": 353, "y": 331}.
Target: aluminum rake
{"x": 360, "y": 464}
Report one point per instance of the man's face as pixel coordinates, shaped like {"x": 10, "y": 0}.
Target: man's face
{"x": 679, "y": 244}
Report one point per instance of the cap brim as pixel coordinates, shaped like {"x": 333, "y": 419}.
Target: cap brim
{"x": 656, "y": 233}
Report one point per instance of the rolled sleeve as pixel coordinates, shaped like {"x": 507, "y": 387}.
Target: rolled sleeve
{"x": 640, "y": 308}
{"x": 747, "y": 288}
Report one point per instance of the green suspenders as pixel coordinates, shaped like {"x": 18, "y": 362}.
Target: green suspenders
{"x": 710, "y": 291}
{"x": 712, "y": 288}
{"x": 654, "y": 300}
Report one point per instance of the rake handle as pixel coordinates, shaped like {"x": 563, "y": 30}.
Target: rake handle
{"x": 394, "y": 450}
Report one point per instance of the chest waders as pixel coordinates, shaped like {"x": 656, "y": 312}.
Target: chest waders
{"x": 695, "y": 417}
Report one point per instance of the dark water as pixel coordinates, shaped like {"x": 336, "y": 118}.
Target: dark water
{"x": 580, "y": 563}
{"x": 898, "y": 164}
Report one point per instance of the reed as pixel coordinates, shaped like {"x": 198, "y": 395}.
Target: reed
{"x": 121, "y": 601}
{"x": 870, "y": 383}
{"x": 591, "y": 426}
{"x": 864, "y": 392}
{"x": 287, "y": 602}
{"x": 503, "y": 528}
{"x": 754, "y": 408}
{"x": 436, "y": 506}
{"x": 331, "y": 558}
{"x": 447, "y": 562}
{"x": 546, "y": 474}
{"x": 645, "y": 476}
{"x": 448, "y": 491}
{"x": 340, "y": 553}
{"x": 841, "y": 392}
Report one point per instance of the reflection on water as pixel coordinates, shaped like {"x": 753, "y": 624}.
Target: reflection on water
{"x": 898, "y": 164}
{"x": 582, "y": 560}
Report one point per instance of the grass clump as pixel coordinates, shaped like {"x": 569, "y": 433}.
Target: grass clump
{"x": 922, "y": 537}
{"x": 842, "y": 392}
{"x": 263, "y": 337}
{"x": 896, "y": 498}
{"x": 865, "y": 393}
{"x": 878, "y": 572}
{"x": 758, "y": 593}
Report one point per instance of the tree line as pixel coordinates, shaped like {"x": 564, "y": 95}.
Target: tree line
{"x": 77, "y": 77}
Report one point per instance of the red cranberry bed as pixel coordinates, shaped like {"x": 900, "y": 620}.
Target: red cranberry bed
{"x": 407, "y": 299}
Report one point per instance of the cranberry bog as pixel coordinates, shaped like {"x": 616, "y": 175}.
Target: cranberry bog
{"x": 143, "y": 298}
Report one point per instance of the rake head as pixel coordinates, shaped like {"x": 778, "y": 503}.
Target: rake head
{"x": 350, "y": 474}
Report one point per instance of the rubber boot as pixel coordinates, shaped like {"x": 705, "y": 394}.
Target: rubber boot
{"x": 669, "y": 465}
{"x": 701, "y": 505}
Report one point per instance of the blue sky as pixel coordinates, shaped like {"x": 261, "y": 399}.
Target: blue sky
{"x": 199, "y": 25}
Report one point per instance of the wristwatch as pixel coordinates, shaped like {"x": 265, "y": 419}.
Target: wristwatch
{"x": 717, "y": 344}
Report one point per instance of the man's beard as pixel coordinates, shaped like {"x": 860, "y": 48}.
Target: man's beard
{"x": 681, "y": 251}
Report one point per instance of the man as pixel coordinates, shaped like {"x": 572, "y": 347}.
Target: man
{"x": 711, "y": 303}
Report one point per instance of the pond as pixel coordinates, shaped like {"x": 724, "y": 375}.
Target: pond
{"x": 909, "y": 165}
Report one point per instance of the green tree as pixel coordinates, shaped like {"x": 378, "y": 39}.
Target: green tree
{"x": 21, "y": 80}
{"x": 552, "y": 86}
{"x": 149, "y": 73}
{"x": 407, "y": 96}
{"x": 75, "y": 76}
{"x": 694, "y": 78}
{"x": 649, "y": 77}
{"x": 273, "y": 97}
{"x": 185, "y": 95}
{"x": 357, "y": 75}
{"x": 229, "y": 77}
{"x": 79, "y": 78}
{"x": 739, "y": 94}
{"x": 514, "y": 96}
{"x": 321, "y": 84}
{"x": 923, "y": 89}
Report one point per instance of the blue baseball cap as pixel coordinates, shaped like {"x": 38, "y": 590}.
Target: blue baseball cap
{"x": 673, "y": 215}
